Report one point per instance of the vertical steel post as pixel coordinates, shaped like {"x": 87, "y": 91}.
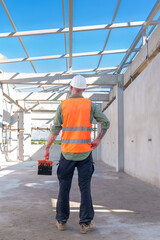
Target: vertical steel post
{"x": 144, "y": 37}
{"x": 120, "y": 124}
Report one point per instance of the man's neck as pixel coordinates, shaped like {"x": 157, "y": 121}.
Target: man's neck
{"x": 77, "y": 92}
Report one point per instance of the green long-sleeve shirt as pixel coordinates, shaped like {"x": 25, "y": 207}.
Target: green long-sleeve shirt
{"x": 95, "y": 113}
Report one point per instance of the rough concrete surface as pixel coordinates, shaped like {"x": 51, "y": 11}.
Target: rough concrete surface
{"x": 125, "y": 208}
{"x": 141, "y": 125}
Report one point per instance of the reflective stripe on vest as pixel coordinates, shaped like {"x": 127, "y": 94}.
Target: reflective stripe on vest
{"x": 76, "y": 140}
{"x": 76, "y": 128}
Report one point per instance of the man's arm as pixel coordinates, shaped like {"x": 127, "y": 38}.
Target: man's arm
{"x": 56, "y": 128}
{"x": 103, "y": 120}
{"x": 96, "y": 142}
{"x": 51, "y": 140}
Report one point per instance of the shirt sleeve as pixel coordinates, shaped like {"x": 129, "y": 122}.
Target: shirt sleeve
{"x": 58, "y": 121}
{"x": 100, "y": 116}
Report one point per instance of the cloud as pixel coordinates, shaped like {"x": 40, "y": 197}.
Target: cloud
{"x": 2, "y": 57}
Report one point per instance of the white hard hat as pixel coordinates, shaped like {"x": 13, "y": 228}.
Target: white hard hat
{"x": 79, "y": 82}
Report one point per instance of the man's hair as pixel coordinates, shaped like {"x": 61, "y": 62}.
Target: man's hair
{"x": 78, "y": 89}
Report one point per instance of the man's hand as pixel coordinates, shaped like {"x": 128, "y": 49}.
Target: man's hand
{"x": 51, "y": 140}
{"x": 95, "y": 143}
{"x": 46, "y": 154}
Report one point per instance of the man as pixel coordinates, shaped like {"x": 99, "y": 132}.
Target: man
{"x": 74, "y": 116}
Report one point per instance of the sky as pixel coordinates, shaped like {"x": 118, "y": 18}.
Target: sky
{"x": 37, "y": 15}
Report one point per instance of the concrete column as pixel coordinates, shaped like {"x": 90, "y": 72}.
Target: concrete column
{"x": 1, "y": 121}
{"x": 120, "y": 125}
{"x": 21, "y": 136}
{"x": 99, "y": 146}
{"x": 98, "y": 131}
{"x": 13, "y": 138}
{"x": 27, "y": 136}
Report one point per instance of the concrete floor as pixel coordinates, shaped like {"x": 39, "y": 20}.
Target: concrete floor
{"x": 125, "y": 208}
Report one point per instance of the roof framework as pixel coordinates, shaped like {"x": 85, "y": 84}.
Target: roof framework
{"x": 99, "y": 80}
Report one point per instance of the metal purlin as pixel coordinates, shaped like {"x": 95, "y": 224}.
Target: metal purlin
{"x": 114, "y": 16}
{"x": 65, "y": 41}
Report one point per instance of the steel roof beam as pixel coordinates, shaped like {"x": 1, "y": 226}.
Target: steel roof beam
{"x": 30, "y": 96}
{"x": 55, "y": 79}
{"x": 114, "y": 16}
{"x": 4, "y": 61}
{"x": 52, "y": 88}
{"x": 75, "y": 29}
{"x": 65, "y": 41}
{"x": 11, "y": 94}
{"x": 55, "y": 89}
{"x": 150, "y": 17}
{"x": 95, "y": 70}
{"x": 29, "y": 87}
{"x": 70, "y": 33}
{"x": 153, "y": 27}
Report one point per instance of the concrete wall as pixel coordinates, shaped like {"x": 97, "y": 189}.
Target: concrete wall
{"x": 109, "y": 142}
{"x": 7, "y": 109}
{"x": 142, "y": 125}
{"x": 1, "y": 121}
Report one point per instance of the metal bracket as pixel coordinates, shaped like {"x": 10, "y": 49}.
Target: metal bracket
{"x": 147, "y": 57}
{"x": 131, "y": 78}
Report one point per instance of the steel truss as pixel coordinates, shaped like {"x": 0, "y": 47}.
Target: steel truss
{"x": 44, "y": 85}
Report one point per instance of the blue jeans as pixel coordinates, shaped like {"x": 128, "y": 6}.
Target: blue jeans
{"x": 65, "y": 173}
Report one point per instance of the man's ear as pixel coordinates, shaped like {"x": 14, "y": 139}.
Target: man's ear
{"x": 84, "y": 90}
{"x": 71, "y": 87}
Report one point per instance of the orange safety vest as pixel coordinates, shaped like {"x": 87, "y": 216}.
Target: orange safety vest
{"x": 76, "y": 128}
